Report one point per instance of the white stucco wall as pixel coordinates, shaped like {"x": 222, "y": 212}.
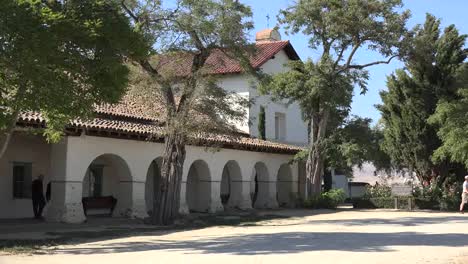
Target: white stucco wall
{"x": 81, "y": 151}
{"x": 66, "y": 164}
{"x": 296, "y": 129}
{"x": 357, "y": 191}
{"x": 22, "y": 148}
{"x": 287, "y": 194}
{"x": 238, "y": 84}
{"x": 340, "y": 182}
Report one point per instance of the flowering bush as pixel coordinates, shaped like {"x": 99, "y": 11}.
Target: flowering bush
{"x": 378, "y": 191}
{"x": 433, "y": 196}
{"x": 430, "y": 192}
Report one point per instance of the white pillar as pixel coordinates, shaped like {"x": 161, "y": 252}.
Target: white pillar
{"x": 241, "y": 199}
{"x": 133, "y": 206}
{"x": 272, "y": 201}
{"x": 123, "y": 208}
{"x": 268, "y": 194}
{"x": 183, "y": 206}
{"x": 65, "y": 205}
{"x": 131, "y": 201}
{"x": 245, "y": 199}
{"x": 66, "y": 189}
{"x": 215, "y": 200}
{"x": 273, "y": 168}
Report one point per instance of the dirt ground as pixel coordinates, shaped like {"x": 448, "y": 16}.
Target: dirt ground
{"x": 308, "y": 237}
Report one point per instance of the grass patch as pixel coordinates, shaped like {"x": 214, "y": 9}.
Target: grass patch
{"x": 28, "y": 246}
{"x": 38, "y": 246}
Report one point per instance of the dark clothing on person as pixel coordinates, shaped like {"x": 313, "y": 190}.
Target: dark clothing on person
{"x": 37, "y": 193}
{"x": 48, "y": 192}
{"x": 37, "y": 189}
{"x": 38, "y": 206}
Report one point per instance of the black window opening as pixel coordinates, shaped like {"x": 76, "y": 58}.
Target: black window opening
{"x": 22, "y": 180}
{"x": 95, "y": 181}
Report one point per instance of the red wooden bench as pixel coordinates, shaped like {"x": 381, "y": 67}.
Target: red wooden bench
{"x": 104, "y": 202}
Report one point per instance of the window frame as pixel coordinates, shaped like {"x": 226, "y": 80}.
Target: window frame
{"x": 280, "y": 126}
{"x": 26, "y": 186}
{"x": 92, "y": 183}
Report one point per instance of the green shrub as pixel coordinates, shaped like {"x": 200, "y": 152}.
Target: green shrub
{"x": 425, "y": 203}
{"x": 378, "y": 191}
{"x": 372, "y": 203}
{"x": 326, "y": 200}
{"x": 382, "y": 202}
{"x": 363, "y": 203}
{"x": 388, "y": 203}
{"x": 434, "y": 197}
{"x": 261, "y": 123}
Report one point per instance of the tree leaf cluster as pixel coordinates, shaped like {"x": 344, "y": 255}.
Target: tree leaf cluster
{"x": 60, "y": 58}
{"x": 353, "y": 143}
{"x": 432, "y": 59}
{"x": 451, "y": 116}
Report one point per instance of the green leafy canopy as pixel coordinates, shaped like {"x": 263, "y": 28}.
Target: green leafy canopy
{"x": 452, "y": 117}
{"x": 432, "y": 60}
{"x": 60, "y": 58}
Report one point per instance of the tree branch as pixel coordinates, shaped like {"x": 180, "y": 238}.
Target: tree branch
{"x": 166, "y": 88}
{"x": 351, "y": 55}
{"x": 129, "y": 12}
{"x": 8, "y": 133}
{"x": 362, "y": 66}
{"x": 340, "y": 56}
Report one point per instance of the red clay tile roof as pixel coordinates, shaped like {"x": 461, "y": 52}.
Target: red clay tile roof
{"x": 265, "y": 51}
{"x": 132, "y": 106}
{"x": 153, "y": 131}
{"x": 131, "y": 116}
{"x": 219, "y": 63}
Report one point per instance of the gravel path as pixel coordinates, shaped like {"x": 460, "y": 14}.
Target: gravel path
{"x": 330, "y": 237}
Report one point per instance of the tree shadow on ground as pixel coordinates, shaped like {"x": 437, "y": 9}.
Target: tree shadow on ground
{"x": 400, "y": 221}
{"x": 99, "y": 229}
{"x": 281, "y": 243}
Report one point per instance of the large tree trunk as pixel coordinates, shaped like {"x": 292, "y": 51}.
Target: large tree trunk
{"x": 6, "y": 137}
{"x": 166, "y": 202}
{"x": 315, "y": 158}
{"x": 8, "y": 133}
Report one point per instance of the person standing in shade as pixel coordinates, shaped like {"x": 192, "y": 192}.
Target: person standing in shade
{"x": 37, "y": 193}
{"x": 48, "y": 192}
{"x": 464, "y": 194}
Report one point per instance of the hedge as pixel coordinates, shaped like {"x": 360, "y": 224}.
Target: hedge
{"x": 326, "y": 200}
{"x": 389, "y": 203}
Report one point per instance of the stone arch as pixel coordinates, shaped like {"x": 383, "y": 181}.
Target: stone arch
{"x": 152, "y": 183}
{"x": 231, "y": 185}
{"x": 198, "y": 193}
{"x": 284, "y": 186}
{"x": 260, "y": 186}
{"x": 108, "y": 175}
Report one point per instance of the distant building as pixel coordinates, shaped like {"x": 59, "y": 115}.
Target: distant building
{"x": 368, "y": 173}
